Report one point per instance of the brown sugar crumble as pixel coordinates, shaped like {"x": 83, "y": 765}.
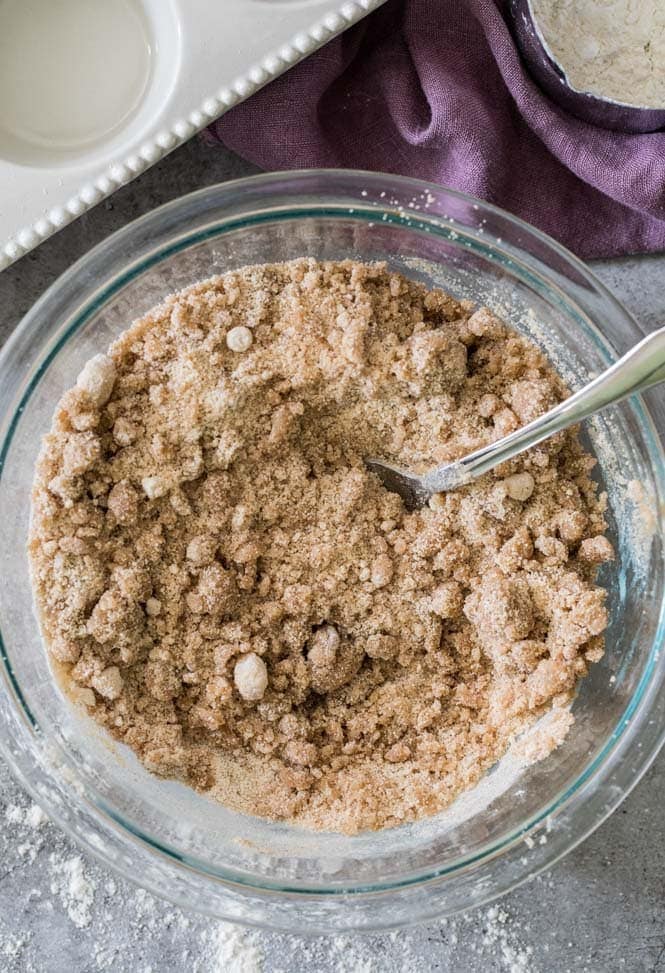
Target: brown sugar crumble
{"x": 234, "y": 596}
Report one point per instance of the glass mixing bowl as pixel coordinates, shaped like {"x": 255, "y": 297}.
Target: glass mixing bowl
{"x": 181, "y": 845}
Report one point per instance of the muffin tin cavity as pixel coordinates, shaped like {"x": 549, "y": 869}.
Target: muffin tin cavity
{"x": 95, "y": 91}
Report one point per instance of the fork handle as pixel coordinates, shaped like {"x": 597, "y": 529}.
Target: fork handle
{"x": 639, "y": 369}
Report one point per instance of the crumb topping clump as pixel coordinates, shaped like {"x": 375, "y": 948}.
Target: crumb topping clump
{"x": 236, "y": 598}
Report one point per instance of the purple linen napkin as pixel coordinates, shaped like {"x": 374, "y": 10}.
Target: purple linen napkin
{"x": 436, "y": 89}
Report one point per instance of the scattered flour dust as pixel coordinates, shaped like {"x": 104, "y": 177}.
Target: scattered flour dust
{"x": 11, "y": 947}
{"x": 234, "y": 949}
{"x": 76, "y": 891}
{"x": 500, "y": 936}
{"x": 491, "y": 936}
{"x": 29, "y": 821}
{"x": 35, "y": 817}
{"x": 14, "y": 814}
{"x": 114, "y": 922}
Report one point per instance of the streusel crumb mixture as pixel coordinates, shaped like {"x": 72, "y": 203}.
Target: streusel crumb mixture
{"x": 235, "y": 597}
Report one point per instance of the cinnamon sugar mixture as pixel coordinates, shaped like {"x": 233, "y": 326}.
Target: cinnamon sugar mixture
{"x": 234, "y": 596}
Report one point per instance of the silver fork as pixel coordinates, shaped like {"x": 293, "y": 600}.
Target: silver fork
{"x": 639, "y": 369}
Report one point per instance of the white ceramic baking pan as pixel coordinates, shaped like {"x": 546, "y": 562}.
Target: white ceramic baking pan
{"x": 92, "y": 92}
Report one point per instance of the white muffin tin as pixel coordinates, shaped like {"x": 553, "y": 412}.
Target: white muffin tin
{"x": 163, "y": 71}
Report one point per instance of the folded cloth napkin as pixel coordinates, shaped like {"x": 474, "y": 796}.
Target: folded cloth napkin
{"x": 436, "y": 89}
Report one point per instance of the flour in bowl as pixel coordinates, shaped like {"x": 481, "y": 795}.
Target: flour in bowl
{"x": 611, "y": 48}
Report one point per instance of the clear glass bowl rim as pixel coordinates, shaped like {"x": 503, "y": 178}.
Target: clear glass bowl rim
{"x": 610, "y": 771}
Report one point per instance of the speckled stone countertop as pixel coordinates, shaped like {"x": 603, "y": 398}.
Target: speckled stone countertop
{"x": 602, "y": 908}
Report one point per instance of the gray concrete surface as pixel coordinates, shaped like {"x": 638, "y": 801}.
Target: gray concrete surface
{"x": 602, "y": 908}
